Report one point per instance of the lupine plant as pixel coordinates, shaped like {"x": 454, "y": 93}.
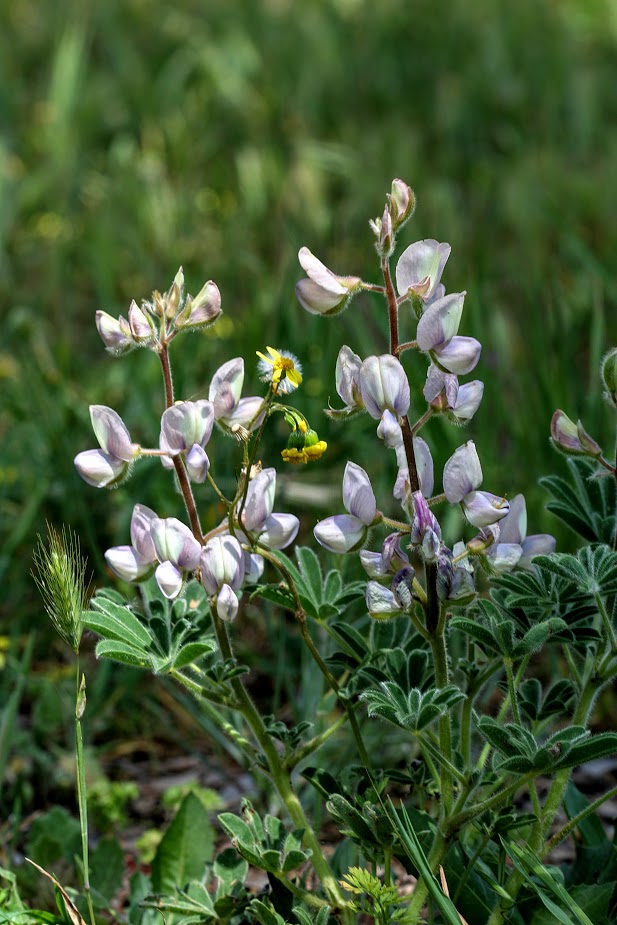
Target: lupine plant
{"x": 435, "y": 657}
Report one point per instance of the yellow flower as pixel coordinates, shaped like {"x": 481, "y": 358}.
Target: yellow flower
{"x": 295, "y": 456}
{"x": 315, "y": 451}
{"x": 281, "y": 368}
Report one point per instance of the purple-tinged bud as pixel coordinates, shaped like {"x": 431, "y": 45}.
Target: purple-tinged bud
{"x": 609, "y": 375}
{"x": 185, "y": 424}
{"x": 420, "y": 267}
{"x": 402, "y": 587}
{"x": 227, "y": 604}
{"x": 385, "y": 243}
{"x": 440, "y": 322}
{"x": 381, "y": 602}
{"x": 169, "y": 579}
{"x": 100, "y": 469}
{"x": 539, "y": 544}
{"x": 341, "y": 533}
{"x": 203, "y": 310}
{"x": 462, "y": 588}
{"x": 113, "y": 334}
{"x": 401, "y": 201}
{"x": 384, "y": 385}
{"x": 323, "y": 293}
{"x": 259, "y": 500}
{"x": 221, "y": 563}
{"x": 358, "y": 495}
{"x": 112, "y": 434}
{"x": 445, "y": 573}
{"x": 174, "y": 542}
{"x": 482, "y": 508}
{"x": 389, "y": 430}
{"x": 139, "y": 323}
{"x": 226, "y": 387}
{"x": 174, "y": 296}
{"x": 458, "y": 356}
{"x": 197, "y": 464}
{"x": 393, "y": 556}
{"x": 572, "y": 439}
{"x": 424, "y": 521}
{"x": 126, "y": 563}
{"x": 462, "y": 473}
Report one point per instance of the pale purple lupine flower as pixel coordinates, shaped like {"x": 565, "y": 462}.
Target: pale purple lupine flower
{"x": 231, "y": 412}
{"x": 134, "y": 562}
{"x": 388, "y": 561}
{"x": 347, "y": 378}
{"x": 513, "y": 546}
{"x": 346, "y": 532}
{"x": 425, "y": 529}
{"x": 462, "y": 475}
{"x": 384, "y": 385}
{"x": 437, "y": 336}
{"x": 186, "y": 424}
{"x": 381, "y": 602}
{"x": 389, "y": 430}
{"x": 222, "y": 565}
{"x": 107, "y": 467}
{"x": 444, "y": 394}
{"x": 273, "y": 529}
{"x": 141, "y": 327}
{"x": 424, "y": 467}
{"x": 178, "y": 552}
{"x": 420, "y": 267}
{"x": 323, "y": 293}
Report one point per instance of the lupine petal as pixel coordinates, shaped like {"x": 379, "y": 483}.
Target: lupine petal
{"x": 227, "y": 604}
{"x": 222, "y": 562}
{"x": 439, "y": 323}
{"x": 169, "y": 579}
{"x": 483, "y": 508}
{"x": 111, "y": 432}
{"x": 184, "y": 424}
{"x": 279, "y": 530}
{"x": 341, "y": 533}
{"x": 459, "y": 356}
{"x": 358, "y": 494}
{"x": 424, "y": 260}
{"x": 141, "y": 521}
{"x": 462, "y": 473}
{"x": 513, "y": 527}
{"x": 126, "y": 563}
{"x": 381, "y": 602}
{"x": 259, "y": 500}
{"x": 197, "y": 464}
{"x": 100, "y": 469}
{"x": 173, "y": 541}
{"x": 347, "y": 374}
{"x": 539, "y": 544}
{"x": 384, "y": 385}
{"x": 226, "y": 387}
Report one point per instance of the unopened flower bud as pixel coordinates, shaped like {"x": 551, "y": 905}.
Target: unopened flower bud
{"x": 114, "y": 335}
{"x": 174, "y": 296}
{"x": 227, "y": 604}
{"x": 402, "y": 202}
{"x": 202, "y": 310}
{"x": 402, "y": 587}
{"x": 139, "y": 323}
{"x": 381, "y": 602}
{"x": 385, "y": 242}
{"x": 572, "y": 439}
{"x": 197, "y": 464}
{"x": 609, "y": 374}
{"x": 169, "y": 579}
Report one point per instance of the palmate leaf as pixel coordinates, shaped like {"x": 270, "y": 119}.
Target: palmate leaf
{"x": 593, "y": 569}
{"x": 321, "y": 597}
{"x": 584, "y": 503}
{"x": 412, "y": 709}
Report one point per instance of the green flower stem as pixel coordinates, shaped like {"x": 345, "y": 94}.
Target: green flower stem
{"x": 516, "y": 713}
{"x": 300, "y": 616}
{"x": 279, "y": 774}
{"x": 575, "y": 821}
{"x": 434, "y": 750}
{"x": 606, "y": 620}
{"x": 467, "y": 710}
{"x": 572, "y": 666}
{"x": 440, "y": 662}
{"x": 458, "y": 820}
{"x": 409, "y": 345}
{"x": 316, "y": 902}
{"x": 422, "y": 421}
{"x": 80, "y": 705}
{"x": 470, "y": 866}
{"x": 195, "y": 688}
{"x": 502, "y": 711}
{"x": 316, "y": 742}
{"x": 553, "y": 800}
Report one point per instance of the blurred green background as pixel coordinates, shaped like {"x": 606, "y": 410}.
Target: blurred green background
{"x": 137, "y": 136}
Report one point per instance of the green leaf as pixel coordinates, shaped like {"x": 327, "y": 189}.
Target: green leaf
{"x": 479, "y": 633}
{"x": 598, "y": 746}
{"x": 185, "y": 847}
{"x": 584, "y": 503}
{"x": 230, "y": 869}
{"x": 192, "y": 652}
{"x": 237, "y": 829}
{"x": 591, "y": 829}
{"x": 333, "y": 585}
{"x": 122, "y": 652}
{"x": 111, "y": 621}
{"x": 311, "y": 572}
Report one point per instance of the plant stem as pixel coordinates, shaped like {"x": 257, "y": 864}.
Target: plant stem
{"x": 80, "y": 704}
{"x": 575, "y": 821}
{"x": 279, "y": 774}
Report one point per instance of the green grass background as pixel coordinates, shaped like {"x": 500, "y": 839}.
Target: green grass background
{"x": 137, "y": 136}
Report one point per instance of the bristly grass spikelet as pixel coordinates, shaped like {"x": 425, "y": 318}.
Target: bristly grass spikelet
{"x": 60, "y": 575}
